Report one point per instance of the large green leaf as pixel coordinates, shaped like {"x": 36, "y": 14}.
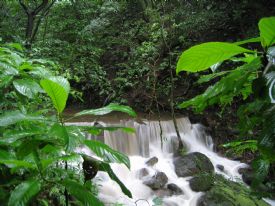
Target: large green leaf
{"x": 203, "y": 56}
{"x": 12, "y": 117}
{"x": 81, "y": 193}
{"x": 11, "y": 136}
{"x": 27, "y": 87}
{"x": 24, "y": 192}
{"x": 58, "y": 89}
{"x": 251, "y": 40}
{"x": 107, "y": 153}
{"x": 267, "y": 31}
{"x": 8, "y": 69}
{"x": 108, "y": 109}
{"x": 107, "y": 168}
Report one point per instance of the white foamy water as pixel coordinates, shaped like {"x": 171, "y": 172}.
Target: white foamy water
{"x": 146, "y": 143}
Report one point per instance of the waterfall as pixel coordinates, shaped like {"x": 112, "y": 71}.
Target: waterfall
{"x": 146, "y": 143}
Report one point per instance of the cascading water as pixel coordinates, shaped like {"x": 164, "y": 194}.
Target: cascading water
{"x": 145, "y": 143}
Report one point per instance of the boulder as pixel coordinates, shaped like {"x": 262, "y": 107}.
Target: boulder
{"x": 247, "y": 175}
{"x": 227, "y": 193}
{"x": 176, "y": 190}
{"x": 163, "y": 193}
{"x": 152, "y": 161}
{"x": 201, "y": 183}
{"x": 158, "y": 181}
{"x": 220, "y": 167}
{"x": 192, "y": 164}
{"x": 142, "y": 173}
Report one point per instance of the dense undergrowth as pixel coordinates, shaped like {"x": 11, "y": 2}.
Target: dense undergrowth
{"x": 254, "y": 81}
{"x": 39, "y": 153}
{"x": 126, "y": 52}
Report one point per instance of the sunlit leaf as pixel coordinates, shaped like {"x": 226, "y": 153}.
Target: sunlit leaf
{"x": 107, "y": 153}
{"x": 108, "y": 109}
{"x": 58, "y": 89}
{"x": 24, "y": 192}
{"x": 267, "y": 31}
{"x": 203, "y": 56}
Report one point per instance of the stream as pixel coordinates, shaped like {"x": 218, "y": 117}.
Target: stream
{"x": 146, "y": 143}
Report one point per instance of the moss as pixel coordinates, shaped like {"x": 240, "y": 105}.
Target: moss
{"x": 227, "y": 193}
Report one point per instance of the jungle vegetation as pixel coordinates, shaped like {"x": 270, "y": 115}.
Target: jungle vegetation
{"x": 107, "y": 54}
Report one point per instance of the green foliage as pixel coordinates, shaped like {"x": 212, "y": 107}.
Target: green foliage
{"x": 58, "y": 89}
{"x": 237, "y": 82}
{"x": 81, "y": 193}
{"x": 106, "y": 110}
{"x": 41, "y": 147}
{"x": 203, "y": 56}
{"x": 267, "y": 32}
{"x": 253, "y": 80}
{"x": 24, "y": 192}
{"x": 106, "y": 153}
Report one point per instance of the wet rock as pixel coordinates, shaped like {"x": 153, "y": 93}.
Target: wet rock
{"x": 158, "y": 181}
{"x": 247, "y": 175}
{"x": 142, "y": 173}
{"x": 192, "y": 164}
{"x": 201, "y": 183}
{"x": 152, "y": 161}
{"x": 220, "y": 167}
{"x": 176, "y": 190}
{"x": 163, "y": 193}
{"x": 227, "y": 193}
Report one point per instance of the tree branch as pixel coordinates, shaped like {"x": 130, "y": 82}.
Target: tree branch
{"x": 40, "y": 7}
{"x": 24, "y": 7}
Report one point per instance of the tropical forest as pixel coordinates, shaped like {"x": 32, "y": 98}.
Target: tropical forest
{"x": 137, "y": 103}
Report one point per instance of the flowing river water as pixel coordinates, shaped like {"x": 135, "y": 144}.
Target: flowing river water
{"x": 146, "y": 142}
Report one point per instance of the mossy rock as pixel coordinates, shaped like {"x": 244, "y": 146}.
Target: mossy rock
{"x": 201, "y": 183}
{"x": 227, "y": 193}
{"x": 192, "y": 164}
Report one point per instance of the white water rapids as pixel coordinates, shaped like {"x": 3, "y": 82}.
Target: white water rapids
{"x": 146, "y": 143}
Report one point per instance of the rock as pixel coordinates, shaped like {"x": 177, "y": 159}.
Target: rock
{"x": 152, "y": 161}
{"x": 201, "y": 183}
{"x": 192, "y": 164}
{"x": 163, "y": 193}
{"x": 157, "y": 181}
{"x": 142, "y": 173}
{"x": 227, "y": 193}
{"x": 176, "y": 190}
{"x": 220, "y": 167}
{"x": 247, "y": 175}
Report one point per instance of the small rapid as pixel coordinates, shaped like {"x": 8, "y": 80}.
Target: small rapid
{"x": 146, "y": 142}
